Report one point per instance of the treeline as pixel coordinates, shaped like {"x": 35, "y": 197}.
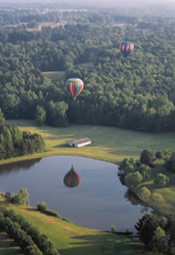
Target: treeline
{"x": 27, "y": 14}
{"x": 135, "y": 92}
{"x": 14, "y": 142}
{"x": 28, "y": 237}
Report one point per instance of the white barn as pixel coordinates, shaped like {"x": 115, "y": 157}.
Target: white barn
{"x": 81, "y": 142}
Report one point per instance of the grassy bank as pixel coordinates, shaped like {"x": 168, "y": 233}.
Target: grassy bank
{"x": 71, "y": 239}
{"x": 108, "y": 143}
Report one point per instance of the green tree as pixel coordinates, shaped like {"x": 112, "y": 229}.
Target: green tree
{"x": 147, "y": 157}
{"x": 127, "y": 165}
{"x": 157, "y": 198}
{"x": 2, "y": 119}
{"x": 21, "y": 198}
{"x": 133, "y": 179}
{"x": 42, "y": 206}
{"x": 146, "y": 227}
{"x": 40, "y": 115}
{"x": 9, "y": 146}
{"x": 161, "y": 180}
{"x": 145, "y": 171}
{"x": 8, "y": 196}
{"x": 56, "y": 113}
{"x": 170, "y": 163}
{"x": 144, "y": 194}
{"x": 159, "y": 241}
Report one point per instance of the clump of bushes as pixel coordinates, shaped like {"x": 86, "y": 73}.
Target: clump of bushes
{"x": 43, "y": 207}
{"x": 19, "y": 198}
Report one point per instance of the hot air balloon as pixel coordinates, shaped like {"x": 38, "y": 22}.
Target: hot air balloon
{"x": 75, "y": 86}
{"x": 72, "y": 179}
{"x": 126, "y": 48}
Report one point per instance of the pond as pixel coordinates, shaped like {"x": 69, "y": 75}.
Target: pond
{"x": 100, "y": 201}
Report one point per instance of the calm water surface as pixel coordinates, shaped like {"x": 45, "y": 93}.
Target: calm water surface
{"x": 98, "y": 202}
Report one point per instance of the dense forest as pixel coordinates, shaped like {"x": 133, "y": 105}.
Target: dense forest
{"x": 137, "y": 92}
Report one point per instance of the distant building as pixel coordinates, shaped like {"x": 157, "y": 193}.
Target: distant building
{"x": 81, "y": 142}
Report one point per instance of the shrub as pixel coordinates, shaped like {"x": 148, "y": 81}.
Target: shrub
{"x": 157, "y": 198}
{"x": 51, "y": 213}
{"x": 144, "y": 194}
{"x": 161, "y": 180}
{"x": 42, "y": 206}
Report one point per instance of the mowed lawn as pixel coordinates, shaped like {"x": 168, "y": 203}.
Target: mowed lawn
{"x": 108, "y": 143}
{"x": 70, "y": 239}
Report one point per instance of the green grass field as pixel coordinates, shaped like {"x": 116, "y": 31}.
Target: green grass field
{"x": 55, "y": 75}
{"x": 108, "y": 143}
{"x": 60, "y": 75}
{"x": 71, "y": 239}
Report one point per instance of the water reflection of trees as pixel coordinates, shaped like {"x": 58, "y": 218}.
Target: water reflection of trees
{"x": 16, "y": 166}
{"x": 122, "y": 179}
{"x": 134, "y": 200}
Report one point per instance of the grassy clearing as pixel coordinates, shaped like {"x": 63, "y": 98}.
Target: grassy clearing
{"x": 55, "y": 75}
{"x": 60, "y": 75}
{"x": 71, "y": 239}
{"x": 108, "y": 143}
{"x": 86, "y": 65}
{"x": 46, "y": 24}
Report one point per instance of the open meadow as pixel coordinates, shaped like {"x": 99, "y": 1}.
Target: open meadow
{"x": 108, "y": 143}
{"x": 55, "y": 75}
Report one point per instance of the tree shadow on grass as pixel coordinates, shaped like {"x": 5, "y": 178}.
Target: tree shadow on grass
{"x": 104, "y": 244}
{"x": 8, "y": 245}
{"x": 64, "y": 145}
{"x": 30, "y": 210}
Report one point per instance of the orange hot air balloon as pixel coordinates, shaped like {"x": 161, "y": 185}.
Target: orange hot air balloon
{"x": 72, "y": 179}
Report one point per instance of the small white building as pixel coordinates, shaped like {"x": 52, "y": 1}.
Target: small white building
{"x": 81, "y": 142}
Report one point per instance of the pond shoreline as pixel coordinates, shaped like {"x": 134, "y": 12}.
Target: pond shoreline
{"x": 50, "y": 154}
{"x": 36, "y": 156}
{"x": 99, "y": 195}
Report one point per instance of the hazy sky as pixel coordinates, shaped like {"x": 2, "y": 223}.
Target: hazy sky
{"x": 104, "y": 2}
{"x": 99, "y": 3}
